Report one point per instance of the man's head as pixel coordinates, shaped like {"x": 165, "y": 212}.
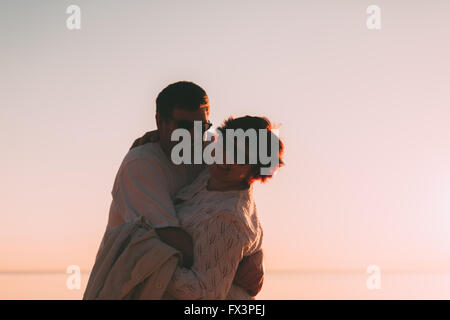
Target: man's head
{"x": 178, "y": 106}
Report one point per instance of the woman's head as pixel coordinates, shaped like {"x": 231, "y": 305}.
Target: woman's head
{"x": 252, "y": 139}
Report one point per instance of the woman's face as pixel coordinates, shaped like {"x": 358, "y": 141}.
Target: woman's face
{"x": 231, "y": 173}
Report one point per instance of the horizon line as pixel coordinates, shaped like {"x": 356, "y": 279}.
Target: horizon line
{"x": 285, "y": 271}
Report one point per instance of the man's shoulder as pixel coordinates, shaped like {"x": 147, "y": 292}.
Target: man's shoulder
{"x": 140, "y": 160}
{"x": 150, "y": 153}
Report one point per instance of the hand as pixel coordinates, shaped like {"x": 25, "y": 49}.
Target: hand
{"x": 250, "y": 273}
{"x": 180, "y": 240}
{"x": 151, "y": 136}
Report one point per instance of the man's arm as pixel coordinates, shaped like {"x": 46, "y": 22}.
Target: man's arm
{"x": 151, "y": 136}
{"x": 218, "y": 251}
{"x": 141, "y": 189}
{"x": 180, "y": 240}
{"x": 250, "y": 273}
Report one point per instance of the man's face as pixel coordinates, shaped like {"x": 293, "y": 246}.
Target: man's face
{"x": 166, "y": 127}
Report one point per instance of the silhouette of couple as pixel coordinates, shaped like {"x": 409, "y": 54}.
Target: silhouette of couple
{"x": 187, "y": 231}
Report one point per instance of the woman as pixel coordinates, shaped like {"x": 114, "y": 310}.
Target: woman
{"x": 219, "y": 212}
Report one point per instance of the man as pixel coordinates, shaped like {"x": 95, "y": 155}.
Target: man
{"x": 147, "y": 180}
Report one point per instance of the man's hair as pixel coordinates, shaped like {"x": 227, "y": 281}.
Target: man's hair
{"x": 182, "y": 95}
{"x": 256, "y": 123}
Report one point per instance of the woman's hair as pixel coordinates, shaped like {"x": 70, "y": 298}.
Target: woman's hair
{"x": 256, "y": 123}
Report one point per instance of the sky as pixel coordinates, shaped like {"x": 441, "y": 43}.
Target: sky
{"x": 363, "y": 115}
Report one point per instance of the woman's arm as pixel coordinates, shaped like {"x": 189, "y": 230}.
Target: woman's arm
{"x": 218, "y": 250}
{"x": 250, "y": 273}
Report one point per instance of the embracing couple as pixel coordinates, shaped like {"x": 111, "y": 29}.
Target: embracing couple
{"x": 187, "y": 231}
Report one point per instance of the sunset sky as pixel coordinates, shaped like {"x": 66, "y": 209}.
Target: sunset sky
{"x": 364, "y": 116}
